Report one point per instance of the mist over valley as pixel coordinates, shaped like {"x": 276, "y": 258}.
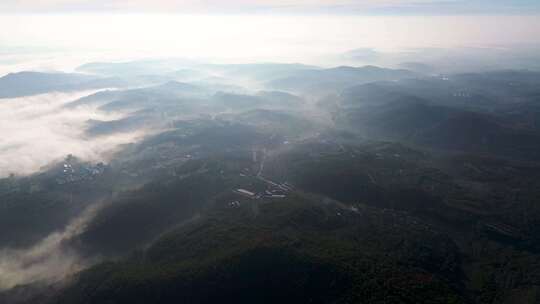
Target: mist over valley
{"x": 307, "y": 154}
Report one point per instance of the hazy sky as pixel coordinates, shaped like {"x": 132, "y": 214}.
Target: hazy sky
{"x": 75, "y": 31}
{"x": 296, "y": 6}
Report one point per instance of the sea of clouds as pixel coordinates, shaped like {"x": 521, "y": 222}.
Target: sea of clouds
{"x": 37, "y": 130}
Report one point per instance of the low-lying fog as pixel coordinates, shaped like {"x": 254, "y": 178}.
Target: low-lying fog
{"x": 48, "y": 259}
{"x": 36, "y": 130}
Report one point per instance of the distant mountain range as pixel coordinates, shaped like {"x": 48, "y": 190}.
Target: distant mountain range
{"x": 336, "y": 79}
{"x": 32, "y": 83}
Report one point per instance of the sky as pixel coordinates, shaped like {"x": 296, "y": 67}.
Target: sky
{"x": 397, "y": 7}
{"x": 60, "y": 34}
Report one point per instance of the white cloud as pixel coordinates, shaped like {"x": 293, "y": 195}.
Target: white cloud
{"x": 256, "y": 38}
{"x": 38, "y": 129}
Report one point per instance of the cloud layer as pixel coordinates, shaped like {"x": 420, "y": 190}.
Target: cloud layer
{"x": 38, "y": 129}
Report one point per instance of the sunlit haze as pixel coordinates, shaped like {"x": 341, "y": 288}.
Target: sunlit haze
{"x": 64, "y": 40}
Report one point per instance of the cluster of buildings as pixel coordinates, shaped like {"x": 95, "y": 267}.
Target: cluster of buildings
{"x": 462, "y": 94}
{"x": 77, "y": 172}
{"x": 274, "y": 190}
{"x": 234, "y": 204}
